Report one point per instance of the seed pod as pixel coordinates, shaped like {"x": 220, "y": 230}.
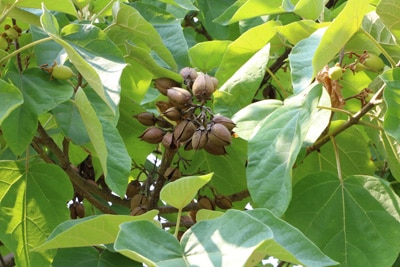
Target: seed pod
{"x": 373, "y": 63}
{"x": 163, "y": 123}
{"x": 146, "y": 118}
{"x": 72, "y": 212}
{"x": 199, "y": 139}
{"x": 173, "y": 113}
{"x": 205, "y": 202}
{"x": 138, "y": 211}
{"x": 133, "y": 188}
{"x": 163, "y": 84}
{"x": 228, "y": 123}
{"x": 219, "y": 135}
{"x": 80, "y": 209}
{"x": 12, "y": 33}
{"x": 139, "y": 200}
{"x": 62, "y": 72}
{"x": 223, "y": 202}
{"x": 179, "y": 97}
{"x": 215, "y": 149}
{"x": 215, "y": 82}
{"x": 163, "y": 106}
{"x": 172, "y": 173}
{"x": 188, "y": 75}
{"x": 203, "y": 87}
{"x": 152, "y": 135}
{"x": 168, "y": 141}
{"x": 184, "y": 131}
{"x": 335, "y": 73}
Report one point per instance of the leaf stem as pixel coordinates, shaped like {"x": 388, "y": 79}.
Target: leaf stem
{"x": 178, "y": 222}
{"x": 6, "y": 11}
{"x": 280, "y": 86}
{"x": 16, "y": 52}
{"x": 372, "y": 39}
{"x": 337, "y": 157}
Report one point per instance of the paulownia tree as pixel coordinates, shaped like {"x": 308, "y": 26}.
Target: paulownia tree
{"x": 199, "y": 133}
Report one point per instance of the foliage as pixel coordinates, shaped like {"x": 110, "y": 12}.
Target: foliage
{"x": 199, "y": 133}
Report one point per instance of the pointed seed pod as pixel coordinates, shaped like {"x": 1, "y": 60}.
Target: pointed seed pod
{"x": 139, "y": 200}
{"x": 162, "y": 106}
{"x": 373, "y": 63}
{"x": 72, "y": 212}
{"x": 228, "y": 123}
{"x": 62, "y": 72}
{"x": 203, "y": 87}
{"x": 223, "y": 202}
{"x": 172, "y": 173}
{"x": 163, "y": 123}
{"x": 152, "y": 135}
{"x": 219, "y": 135}
{"x": 215, "y": 149}
{"x": 138, "y": 211}
{"x": 184, "y": 131}
{"x": 205, "y": 202}
{"x": 80, "y": 210}
{"x": 179, "y": 97}
{"x": 133, "y": 188}
{"x": 215, "y": 82}
{"x": 163, "y": 84}
{"x": 173, "y": 113}
{"x": 146, "y": 118}
{"x": 199, "y": 139}
{"x": 168, "y": 141}
{"x": 188, "y": 75}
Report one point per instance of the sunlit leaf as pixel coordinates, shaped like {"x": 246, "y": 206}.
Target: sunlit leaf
{"x": 207, "y": 55}
{"x": 391, "y": 96}
{"x": 10, "y": 99}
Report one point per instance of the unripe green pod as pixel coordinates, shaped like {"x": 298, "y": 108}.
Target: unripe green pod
{"x": 335, "y": 73}
{"x": 62, "y": 72}
{"x": 12, "y": 33}
{"x": 373, "y": 63}
{"x": 3, "y": 43}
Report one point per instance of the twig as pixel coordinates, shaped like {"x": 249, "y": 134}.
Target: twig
{"x": 16, "y": 44}
{"x": 172, "y": 224}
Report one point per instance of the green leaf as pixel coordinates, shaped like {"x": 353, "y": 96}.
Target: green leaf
{"x": 347, "y": 219}
{"x": 93, "y": 127}
{"x": 32, "y": 204}
{"x": 243, "y": 48}
{"x": 245, "y": 9}
{"x": 207, "y": 55}
{"x": 240, "y": 89}
{"x": 147, "y": 237}
{"x": 300, "y": 60}
{"x": 309, "y": 9}
{"x": 391, "y": 95}
{"x": 90, "y": 257}
{"x": 296, "y": 31}
{"x": 130, "y": 26}
{"x": 179, "y": 193}
{"x": 185, "y": 4}
{"x": 89, "y": 231}
{"x": 204, "y": 214}
{"x": 340, "y": 31}
{"x": 65, "y": 6}
{"x": 10, "y": 99}
{"x": 392, "y": 151}
{"x": 354, "y": 155}
{"x": 389, "y": 12}
{"x": 273, "y": 149}
{"x": 373, "y": 24}
{"x": 250, "y": 116}
{"x": 93, "y": 54}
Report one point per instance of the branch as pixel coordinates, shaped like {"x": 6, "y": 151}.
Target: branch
{"x": 7, "y": 260}
{"x": 375, "y": 100}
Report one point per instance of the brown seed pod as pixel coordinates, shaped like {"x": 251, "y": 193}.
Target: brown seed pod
{"x": 179, "y": 97}
{"x": 215, "y": 82}
{"x": 168, "y": 141}
{"x": 139, "y": 200}
{"x": 163, "y": 106}
{"x": 152, "y": 135}
{"x": 146, "y": 118}
{"x": 72, "y": 212}
{"x": 133, "y": 188}
{"x": 172, "y": 173}
{"x": 214, "y": 149}
{"x": 80, "y": 209}
{"x": 223, "y": 202}
{"x": 203, "y": 87}
{"x": 188, "y": 75}
{"x": 173, "y": 113}
{"x": 219, "y": 135}
{"x": 205, "y": 202}
{"x": 199, "y": 139}
{"x": 163, "y": 123}
{"x": 138, "y": 211}
{"x": 163, "y": 84}
{"x": 184, "y": 131}
{"x": 228, "y": 123}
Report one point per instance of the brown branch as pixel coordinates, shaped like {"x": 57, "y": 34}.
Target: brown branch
{"x": 83, "y": 186}
{"x": 375, "y": 100}
{"x": 7, "y": 260}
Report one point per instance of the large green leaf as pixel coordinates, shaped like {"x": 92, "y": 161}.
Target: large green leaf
{"x": 392, "y": 151}
{"x": 373, "y": 24}
{"x": 354, "y": 154}
{"x": 90, "y": 257}
{"x": 348, "y": 219}
{"x": 391, "y": 96}
{"x": 240, "y": 89}
{"x": 10, "y": 99}
{"x": 186, "y": 4}
{"x": 179, "y": 193}
{"x": 339, "y": 32}
{"x": 89, "y": 231}
{"x": 65, "y": 6}
{"x": 235, "y": 239}
{"x": 389, "y": 12}
{"x": 207, "y": 55}
{"x": 309, "y": 9}
{"x": 130, "y": 26}
{"x": 32, "y": 201}
{"x": 296, "y": 31}
{"x": 93, "y": 54}
{"x": 273, "y": 149}
{"x": 243, "y": 48}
